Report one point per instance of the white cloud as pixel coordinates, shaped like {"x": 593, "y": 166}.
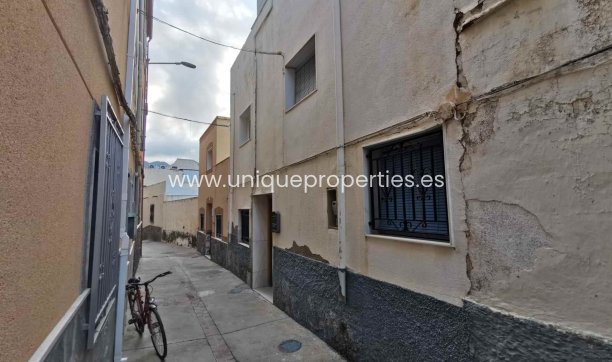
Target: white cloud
{"x": 201, "y": 93}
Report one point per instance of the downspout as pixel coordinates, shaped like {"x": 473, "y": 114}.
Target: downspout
{"x": 340, "y": 160}
{"x": 125, "y": 239}
{"x": 230, "y": 228}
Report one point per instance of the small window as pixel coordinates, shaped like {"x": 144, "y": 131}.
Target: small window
{"x": 301, "y": 75}
{"x": 419, "y": 211}
{"x": 245, "y": 126}
{"x": 332, "y": 209}
{"x": 209, "y": 159}
{"x": 218, "y": 226}
{"x": 152, "y": 214}
{"x": 202, "y": 221}
{"x": 305, "y": 79}
{"x": 244, "y": 226}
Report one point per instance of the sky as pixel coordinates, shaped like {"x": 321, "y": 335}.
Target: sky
{"x": 199, "y": 94}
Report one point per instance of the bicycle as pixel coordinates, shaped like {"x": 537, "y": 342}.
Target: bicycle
{"x": 145, "y": 313}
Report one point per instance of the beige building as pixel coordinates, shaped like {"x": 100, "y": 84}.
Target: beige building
{"x": 170, "y": 203}
{"x": 71, "y": 146}
{"x": 506, "y": 100}
{"x": 214, "y": 163}
{"x": 213, "y": 197}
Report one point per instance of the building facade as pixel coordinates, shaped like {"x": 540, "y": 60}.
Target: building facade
{"x": 508, "y": 101}
{"x": 215, "y": 238}
{"x": 74, "y": 87}
{"x": 170, "y": 202}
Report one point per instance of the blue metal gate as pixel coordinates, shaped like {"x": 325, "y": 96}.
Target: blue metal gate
{"x": 106, "y": 219}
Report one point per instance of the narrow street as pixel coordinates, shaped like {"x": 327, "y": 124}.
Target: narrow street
{"x": 211, "y": 315}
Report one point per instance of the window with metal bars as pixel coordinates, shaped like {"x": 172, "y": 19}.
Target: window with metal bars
{"x": 417, "y": 211}
{"x": 301, "y": 75}
{"x": 305, "y": 79}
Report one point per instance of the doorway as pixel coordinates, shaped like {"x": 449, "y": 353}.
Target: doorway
{"x": 261, "y": 245}
{"x": 209, "y": 219}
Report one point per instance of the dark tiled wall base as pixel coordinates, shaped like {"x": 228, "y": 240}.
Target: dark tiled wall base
{"x": 500, "y": 337}
{"x": 232, "y": 256}
{"x": 380, "y": 321}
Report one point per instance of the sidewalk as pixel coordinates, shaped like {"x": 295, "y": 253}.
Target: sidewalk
{"x": 211, "y": 315}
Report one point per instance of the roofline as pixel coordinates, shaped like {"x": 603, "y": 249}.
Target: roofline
{"x": 213, "y": 123}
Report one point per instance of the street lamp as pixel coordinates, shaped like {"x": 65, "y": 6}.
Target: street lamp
{"x": 185, "y": 64}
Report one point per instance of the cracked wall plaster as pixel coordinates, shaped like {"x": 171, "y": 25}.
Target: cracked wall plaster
{"x": 537, "y": 183}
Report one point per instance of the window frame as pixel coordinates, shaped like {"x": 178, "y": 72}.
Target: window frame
{"x": 332, "y": 196}
{"x": 241, "y": 126}
{"x": 209, "y": 162}
{"x": 303, "y": 57}
{"x": 242, "y": 213}
{"x": 403, "y": 235}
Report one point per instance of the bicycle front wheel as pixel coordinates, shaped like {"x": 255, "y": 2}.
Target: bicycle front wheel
{"x": 158, "y": 334}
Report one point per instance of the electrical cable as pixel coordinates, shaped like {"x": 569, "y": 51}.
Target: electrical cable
{"x": 186, "y": 119}
{"x": 213, "y": 41}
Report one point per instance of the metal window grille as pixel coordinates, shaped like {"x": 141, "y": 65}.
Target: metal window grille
{"x": 305, "y": 79}
{"x": 419, "y": 212}
{"x": 244, "y": 226}
{"x": 106, "y": 218}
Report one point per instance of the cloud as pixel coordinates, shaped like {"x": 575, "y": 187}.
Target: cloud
{"x": 201, "y": 93}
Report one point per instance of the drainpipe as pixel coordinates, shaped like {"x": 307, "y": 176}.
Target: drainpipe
{"x": 232, "y": 172}
{"x": 125, "y": 239}
{"x": 341, "y": 164}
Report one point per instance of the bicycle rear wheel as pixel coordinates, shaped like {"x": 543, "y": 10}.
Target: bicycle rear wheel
{"x": 158, "y": 334}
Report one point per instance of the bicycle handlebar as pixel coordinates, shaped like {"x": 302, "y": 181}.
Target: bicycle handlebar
{"x": 158, "y": 276}
{"x": 148, "y": 281}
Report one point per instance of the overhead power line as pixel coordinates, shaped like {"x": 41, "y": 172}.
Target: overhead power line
{"x": 187, "y": 119}
{"x": 213, "y": 41}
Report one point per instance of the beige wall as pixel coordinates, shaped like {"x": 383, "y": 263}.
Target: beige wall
{"x": 218, "y": 137}
{"x": 181, "y": 216}
{"x": 222, "y": 134}
{"x": 46, "y": 123}
{"x": 536, "y": 171}
{"x": 527, "y": 171}
{"x": 153, "y": 195}
{"x": 176, "y": 215}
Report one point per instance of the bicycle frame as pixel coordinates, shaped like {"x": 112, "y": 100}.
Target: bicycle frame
{"x": 144, "y": 306}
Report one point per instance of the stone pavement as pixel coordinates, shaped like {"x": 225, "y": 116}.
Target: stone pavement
{"x": 211, "y": 315}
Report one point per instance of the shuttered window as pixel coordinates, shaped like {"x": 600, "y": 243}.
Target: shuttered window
{"x": 305, "y": 79}
{"x": 418, "y": 211}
